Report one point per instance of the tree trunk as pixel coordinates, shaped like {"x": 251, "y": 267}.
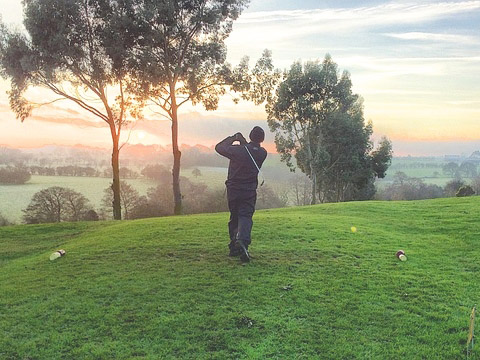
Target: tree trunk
{"x": 59, "y": 210}
{"x": 312, "y": 171}
{"x": 314, "y": 187}
{"x": 177, "y": 195}
{"x": 117, "y": 207}
{"x": 297, "y": 194}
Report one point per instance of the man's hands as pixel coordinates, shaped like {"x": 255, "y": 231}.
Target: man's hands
{"x": 239, "y": 137}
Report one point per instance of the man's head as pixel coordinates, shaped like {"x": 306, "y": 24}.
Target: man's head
{"x": 257, "y": 135}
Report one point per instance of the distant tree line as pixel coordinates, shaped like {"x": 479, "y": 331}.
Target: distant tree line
{"x": 466, "y": 169}
{"x": 198, "y": 198}
{"x": 404, "y": 187}
{"x": 416, "y": 165}
{"x": 16, "y": 175}
{"x": 58, "y": 204}
{"x": 12, "y": 156}
{"x": 82, "y": 171}
{"x": 194, "y": 157}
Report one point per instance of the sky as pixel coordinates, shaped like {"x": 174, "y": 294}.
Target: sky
{"x": 415, "y": 63}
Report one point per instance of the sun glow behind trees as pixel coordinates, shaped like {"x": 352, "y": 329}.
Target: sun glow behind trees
{"x": 386, "y": 48}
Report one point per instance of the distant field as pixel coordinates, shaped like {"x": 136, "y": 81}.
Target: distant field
{"x": 429, "y": 169}
{"x": 213, "y": 177}
{"x": 276, "y": 176}
{"x": 14, "y": 198}
{"x": 416, "y": 167}
{"x": 440, "y": 181}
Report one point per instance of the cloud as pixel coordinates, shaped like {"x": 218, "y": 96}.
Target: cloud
{"x": 464, "y": 102}
{"x": 422, "y": 36}
{"x": 194, "y": 125}
{"x": 280, "y": 27}
{"x": 62, "y": 109}
{"x": 377, "y": 15}
{"x": 4, "y": 108}
{"x": 369, "y": 70}
{"x": 404, "y": 147}
{"x": 400, "y": 92}
{"x": 60, "y": 115}
{"x": 77, "y": 122}
{"x": 395, "y": 66}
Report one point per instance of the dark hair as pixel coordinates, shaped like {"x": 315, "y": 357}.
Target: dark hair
{"x": 257, "y": 134}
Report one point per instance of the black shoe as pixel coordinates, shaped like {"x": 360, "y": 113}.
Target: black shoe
{"x": 234, "y": 252}
{"x": 244, "y": 255}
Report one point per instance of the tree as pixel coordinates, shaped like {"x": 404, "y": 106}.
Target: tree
{"x": 91, "y": 215}
{"x": 451, "y": 188}
{"x": 77, "y": 51}
{"x": 56, "y": 204}
{"x": 468, "y": 169}
{"x": 409, "y": 188}
{"x": 196, "y": 172}
{"x": 156, "y": 172}
{"x": 475, "y": 184}
{"x": 319, "y": 121}
{"x": 181, "y": 59}
{"x": 465, "y": 190}
{"x": 451, "y": 169}
{"x": 160, "y": 200}
{"x": 400, "y": 178}
{"x": 4, "y": 221}
{"x": 14, "y": 175}
{"x": 127, "y": 173}
{"x": 382, "y": 157}
{"x": 301, "y": 186}
{"x": 130, "y": 199}
{"x": 267, "y": 198}
{"x": 198, "y": 198}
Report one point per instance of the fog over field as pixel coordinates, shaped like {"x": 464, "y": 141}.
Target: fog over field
{"x": 212, "y": 169}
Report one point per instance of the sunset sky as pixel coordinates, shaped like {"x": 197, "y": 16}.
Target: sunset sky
{"x": 416, "y": 64}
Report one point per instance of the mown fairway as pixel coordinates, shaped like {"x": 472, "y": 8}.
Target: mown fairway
{"x": 164, "y": 288}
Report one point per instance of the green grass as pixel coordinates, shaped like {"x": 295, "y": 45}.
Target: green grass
{"x": 164, "y": 288}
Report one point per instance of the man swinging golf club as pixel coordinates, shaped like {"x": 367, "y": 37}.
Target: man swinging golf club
{"x": 246, "y": 159}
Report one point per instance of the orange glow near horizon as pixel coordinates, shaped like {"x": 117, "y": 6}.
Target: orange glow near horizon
{"x": 419, "y": 86}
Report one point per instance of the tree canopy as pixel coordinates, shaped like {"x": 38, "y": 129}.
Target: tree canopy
{"x": 181, "y": 58}
{"x": 78, "y": 51}
{"x": 318, "y": 121}
{"x": 56, "y": 204}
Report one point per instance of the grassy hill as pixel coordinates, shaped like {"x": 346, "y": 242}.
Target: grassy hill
{"x": 164, "y": 288}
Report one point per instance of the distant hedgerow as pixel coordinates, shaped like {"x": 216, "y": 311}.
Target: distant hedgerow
{"x": 14, "y": 175}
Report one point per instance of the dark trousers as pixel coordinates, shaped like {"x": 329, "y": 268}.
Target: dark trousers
{"x": 241, "y": 204}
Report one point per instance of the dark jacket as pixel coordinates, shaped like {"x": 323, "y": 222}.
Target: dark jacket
{"x": 242, "y": 172}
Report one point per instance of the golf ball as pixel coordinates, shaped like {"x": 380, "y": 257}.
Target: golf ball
{"x": 402, "y": 257}
{"x": 354, "y": 229}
